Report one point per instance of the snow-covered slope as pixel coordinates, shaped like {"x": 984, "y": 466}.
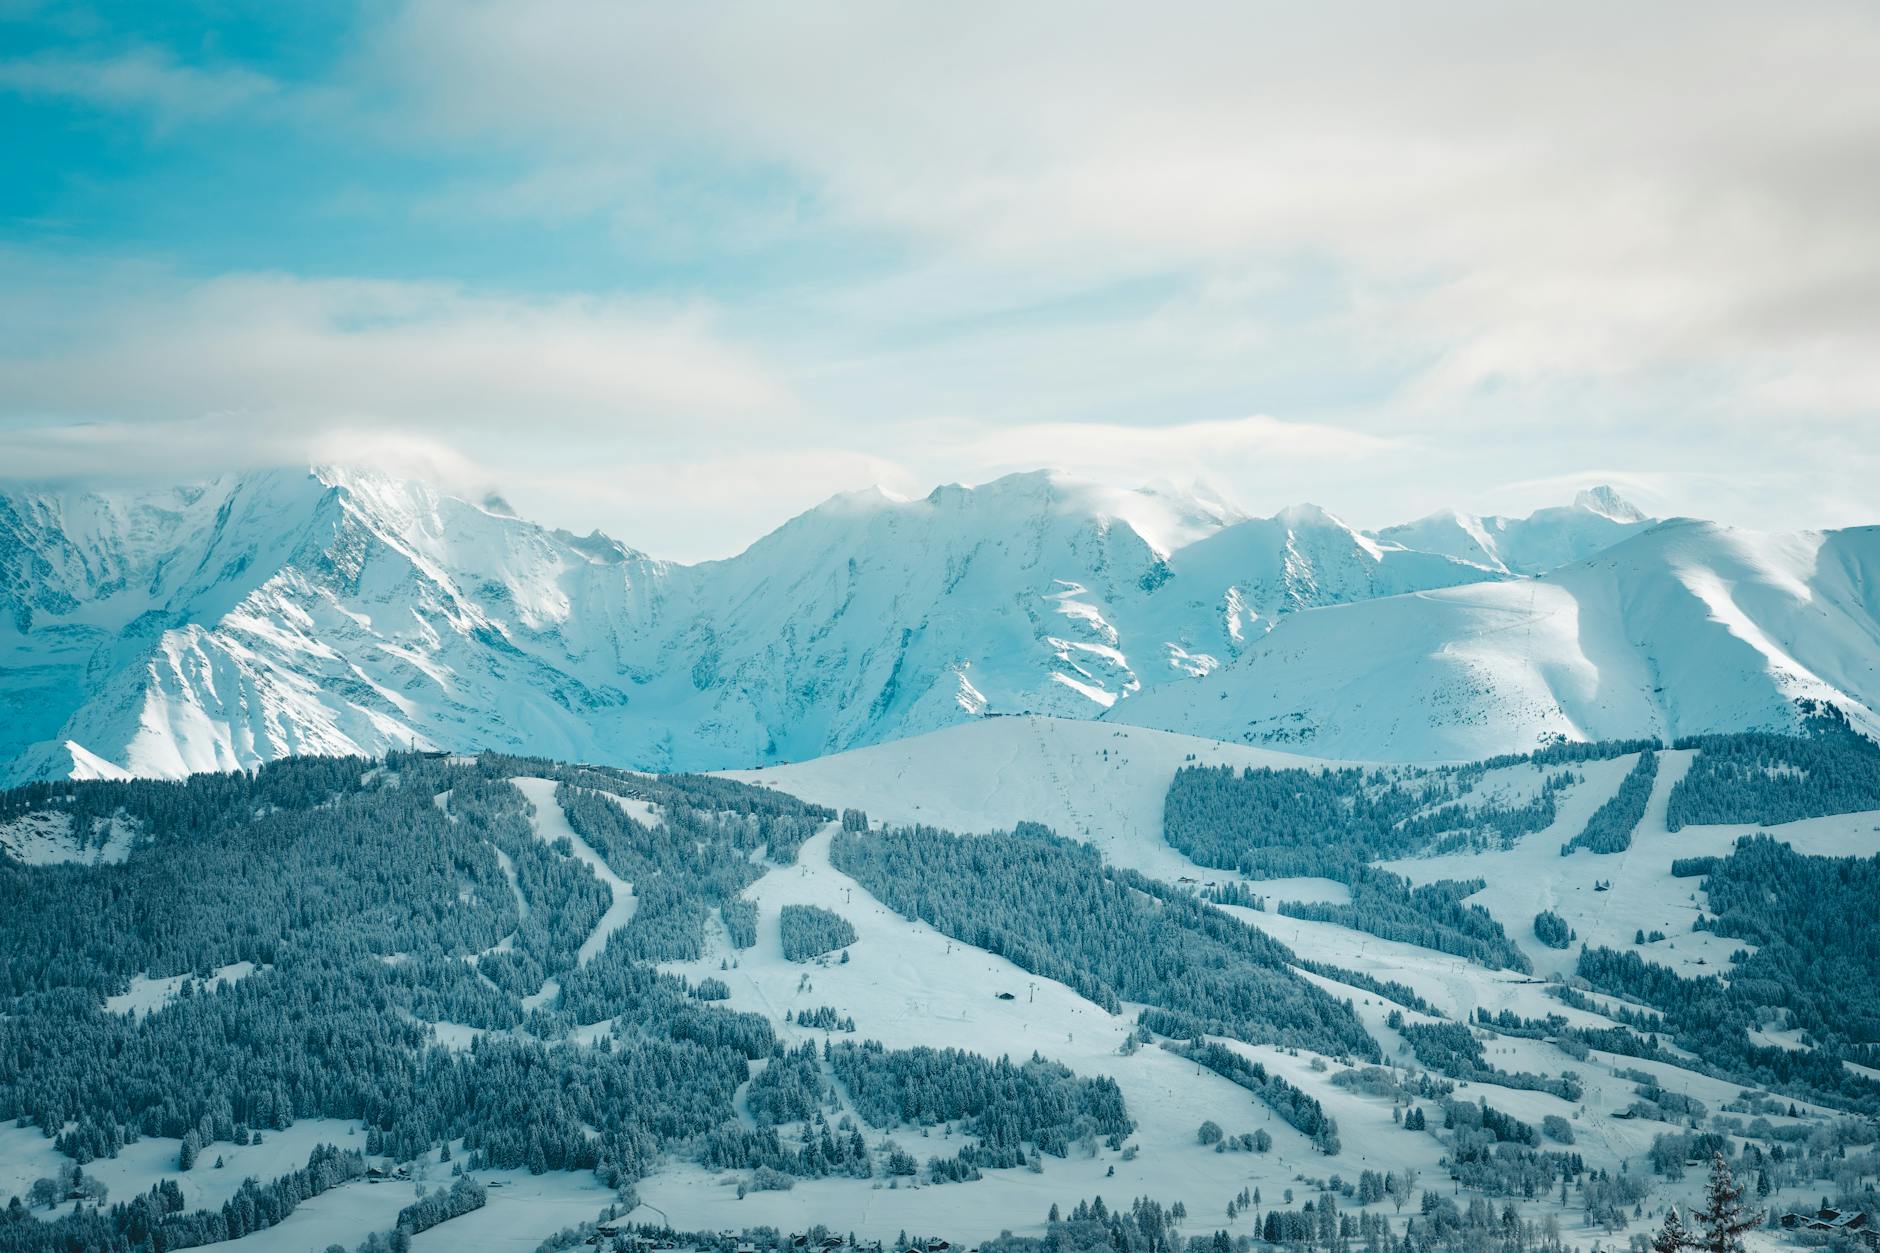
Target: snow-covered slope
{"x": 1093, "y": 781}
{"x": 1598, "y": 518}
{"x": 219, "y": 626}
{"x": 329, "y": 612}
{"x": 304, "y": 613}
{"x": 1686, "y": 627}
{"x": 1230, "y": 588}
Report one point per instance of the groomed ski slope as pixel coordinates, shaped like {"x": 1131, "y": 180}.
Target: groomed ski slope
{"x": 908, "y": 985}
{"x": 1106, "y": 785}
{"x": 551, "y": 826}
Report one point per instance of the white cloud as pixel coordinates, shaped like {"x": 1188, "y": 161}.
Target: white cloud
{"x": 1445, "y": 244}
{"x": 1244, "y": 448}
{"x": 128, "y": 344}
{"x": 141, "y": 78}
{"x": 1514, "y": 194}
{"x": 115, "y": 371}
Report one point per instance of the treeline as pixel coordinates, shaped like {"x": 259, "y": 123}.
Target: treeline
{"x": 680, "y": 871}
{"x": 1016, "y": 1110}
{"x": 1811, "y": 920}
{"x": 1450, "y": 1048}
{"x": 755, "y": 819}
{"x": 1610, "y": 828}
{"x": 1051, "y": 906}
{"x": 564, "y": 899}
{"x": 1567, "y": 753}
{"x": 824, "y": 1151}
{"x": 810, "y": 931}
{"x": 1815, "y": 965}
{"x": 240, "y": 888}
{"x": 1303, "y": 1112}
{"x": 1712, "y": 1020}
{"x": 1757, "y": 777}
{"x": 1005, "y": 1104}
{"x": 1267, "y": 823}
{"x": 463, "y": 1196}
{"x": 156, "y": 1220}
{"x": 373, "y": 911}
{"x": 1578, "y": 1042}
{"x": 1430, "y": 915}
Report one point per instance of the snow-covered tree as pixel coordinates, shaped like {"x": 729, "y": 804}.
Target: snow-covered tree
{"x": 1723, "y": 1220}
{"x": 1673, "y": 1236}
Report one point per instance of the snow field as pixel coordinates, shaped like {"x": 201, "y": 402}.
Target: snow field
{"x": 147, "y": 995}
{"x": 1644, "y": 896}
{"x": 1105, "y": 785}
{"x": 909, "y": 985}
{"x": 1090, "y": 781}
{"x": 45, "y": 838}
{"x": 26, "y": 1154}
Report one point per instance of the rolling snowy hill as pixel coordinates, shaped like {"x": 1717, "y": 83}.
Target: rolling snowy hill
{"x": 1684, "y": 628}
{"x": 288, "y": 612}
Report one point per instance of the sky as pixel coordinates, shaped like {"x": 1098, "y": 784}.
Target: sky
{"x": 681, "y": 271}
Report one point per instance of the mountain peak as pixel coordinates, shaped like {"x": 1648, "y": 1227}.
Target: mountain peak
{"x": 1307, "y": 514}
{"x": 1605, "y": 501}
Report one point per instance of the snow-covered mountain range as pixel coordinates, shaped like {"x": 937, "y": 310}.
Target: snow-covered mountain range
{"x": 221, "y": 625}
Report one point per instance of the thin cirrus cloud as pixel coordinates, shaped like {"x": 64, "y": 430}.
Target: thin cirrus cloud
{"x": 147, "y": 79}
{"x": 1243, "y": 447}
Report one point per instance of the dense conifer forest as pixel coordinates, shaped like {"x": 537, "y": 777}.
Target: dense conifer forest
{"x": 810, "y": 931}
{"x": 1815, "y": 965}
{"x": 376, "y": 899}
{"x": 1335, "y": 822}
{"x": 1051, "y": 906}
{"x": 370, "y": 910}
{"x": 1767, "y": 779}
{"x": 1610, "y": 828}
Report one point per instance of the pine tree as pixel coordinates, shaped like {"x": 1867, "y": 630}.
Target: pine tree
{"x": 1673, "y": 1237}
{"x": 1723, "y": 1218}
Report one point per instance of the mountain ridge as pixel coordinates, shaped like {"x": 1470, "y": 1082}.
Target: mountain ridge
{"x": 1683, "y": 628}
{"x": 330, "y": 610}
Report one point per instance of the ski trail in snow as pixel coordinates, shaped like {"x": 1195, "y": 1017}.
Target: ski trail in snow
{"x": 508, "y": 942}
{"x": 907, "y": 985}
{"x": 551, "y": 826}
{"x": 1673, "y": 765}
{"x": 508, "y": 867}
{"x": 515, "y": 887}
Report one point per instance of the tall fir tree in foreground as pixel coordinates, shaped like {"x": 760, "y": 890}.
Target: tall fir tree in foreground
{"x": 1723, "y": 1220}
